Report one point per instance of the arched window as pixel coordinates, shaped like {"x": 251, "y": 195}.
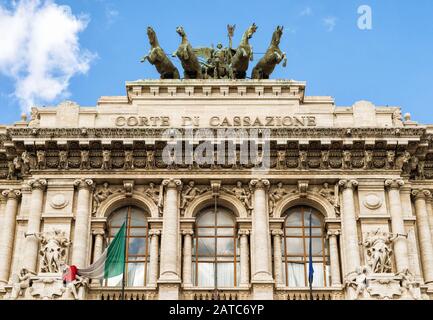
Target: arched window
{"x": 215, "y": 252}
{"x": 296, "y": 247}
{"x": 137, "y": 251}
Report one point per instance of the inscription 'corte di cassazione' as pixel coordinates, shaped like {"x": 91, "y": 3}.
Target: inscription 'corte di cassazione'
{"x": 217, "y": 121}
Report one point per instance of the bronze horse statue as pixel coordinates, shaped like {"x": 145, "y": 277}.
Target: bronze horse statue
{"x": 191, "y": 66}
{"x": 159, "y": 59}
{"x": 242, "y": 55}
{"x": 272, "y": 57}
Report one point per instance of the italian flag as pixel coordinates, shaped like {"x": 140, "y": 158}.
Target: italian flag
{"x": 112, "y": 261}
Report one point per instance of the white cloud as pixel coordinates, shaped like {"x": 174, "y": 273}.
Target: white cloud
{"x": 330, "y": 23}
{"x": 306, "y": 12}
{"x": 40, "y": 49}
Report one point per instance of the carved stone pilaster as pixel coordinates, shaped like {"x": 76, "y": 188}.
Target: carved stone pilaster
{"x": 172, "y": 183}
{"x": 421, "y": 194}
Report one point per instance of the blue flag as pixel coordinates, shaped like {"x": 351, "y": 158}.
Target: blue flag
{"x": 310, "y": 256}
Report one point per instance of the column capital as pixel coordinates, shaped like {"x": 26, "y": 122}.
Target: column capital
{"x": 84, "y": 183}
{"x": 394, "y": 183}
{"x": 243, "y": 232}
{"x": 260, "y": 183}
{"x": 277, "y": 232}
{"x": 39, "y": 184}
{"x": 333, "y": 233}
{"x": 172, "y": 183}
{"x": 11, "y": 194}
{"x": 98, "y": 231}
{"x": 2, "y": 198}
{"x": 421, "y": 194}
{"x": 348, "y": 184}
{"x": 154, "y": 232}
{"x": 188, "y": 232}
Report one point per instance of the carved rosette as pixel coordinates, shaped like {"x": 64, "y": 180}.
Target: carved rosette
{"x": 394, "y": 183}
{"x": 84, "y": 184}
{"x": 348, "y": 184}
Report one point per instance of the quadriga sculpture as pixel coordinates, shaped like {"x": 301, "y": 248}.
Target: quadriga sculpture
{"x": 243, "y": 55}
{"x": 272, "y": 57}
{"x": 185, "y": 53}
{"x": 159, "y": 59}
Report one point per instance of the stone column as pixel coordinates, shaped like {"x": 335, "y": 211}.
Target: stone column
{"x": 82, "y": 220}
{"x": 261, "y": 242}
{"x": 424, "y": 236}
{"x": 169, "y": 279}
{"x": 349, "y": 227}
{"x": 34, "y": 224}
{"x": 278, "y": 261}
{"x": 397, "y": 224}
{"x": 430, "y": 213}
{"x": 98, "y": 248}
{"x": 154, "y": 256}
{"x": 187, "y": 258}
{"x": 334, "y": 258}
{"x": 244, "y": 256}
{"x": 7, "y": 234}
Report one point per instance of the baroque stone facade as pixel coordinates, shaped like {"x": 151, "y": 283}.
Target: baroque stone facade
{"x": 365, "y": 171}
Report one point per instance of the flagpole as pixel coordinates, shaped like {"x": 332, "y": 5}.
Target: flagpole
{"x": 310, "y": 275}
{"x": 124, "y": 254}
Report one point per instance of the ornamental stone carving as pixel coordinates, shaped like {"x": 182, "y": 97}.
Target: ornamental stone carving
{"x": 84, "y": 183}
{"x": 241, "y": 193}
{"x": 394, "y": 183}
{"x": 358, "y": 281}
{"x": 276, "y": 194}
{"x": 53, "y": 249}
{"x": 390, "y": 159}
{"x": 379, "y": 251}
{"x": 303, "y": 188}
{"x": 190, "y": 192}
{"x": 347, "y": 159}
{"x": 20, "y": 283}
{"x": 372, "y": 201}
{"x": 106, "y": 160}
{"x": 37, "y": 184}
{"x": 329, "y": 194}
{"x": 41, "y": 162}
{"x": 368, "y": 159}
{"x": 303, "y": 160}
{"x": 156, "y": 194}
{"x": 281, "y": 160}
{"x": 129, "y": 160}
{"x": 58, "y": 201}
{"x": 403, "y": 162}
{"x": 63, "y": 160}
{"x": 150, "y": 159}
{"x": 348, "y": 184}
{"x": 324, "y": 159}
{"x": 101, "y": 194}
{"x": 85, "y": 160}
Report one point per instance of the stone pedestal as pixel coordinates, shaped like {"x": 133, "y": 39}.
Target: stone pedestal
{"x": 168, "y": 290}
{"x": 263, "y": 290}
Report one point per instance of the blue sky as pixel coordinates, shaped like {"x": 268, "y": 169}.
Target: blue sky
{"x": 392, "y": 64}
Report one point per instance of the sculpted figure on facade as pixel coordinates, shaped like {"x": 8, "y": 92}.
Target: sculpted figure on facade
{"x": 358, "y": 281}
{"x": 159, "y": 59}
{"x": 150, "y": 159}
{"x": 53, "y": 249}
{"x": 379, "y": 251}
{"x": 85, "y": 160}
{"x": 241, "y": 193}
{"x": 27, "y": 162}
{"x": 41, "y": 162}
{"x": 63, "y": 160}
{"x": 281, "y": 160}
{"x": 101, "y": 195}
{"x": 325, "y": 159}
{"x": 190, "y": 192}
{"x": 18, "y": 165}
{"x": 73, "y": 286}
{"x": 397, "y": 118}
{"x": 329, "y": 194}
{"x": 34, "y": 118}
{"x": 188, "y": 58}
{"x": 276, "y": 195}
{"x": 11, "y": 175}
{"x": 242, "y": 55}
{"x": 303, "y": 160}
{"x": 403, "y": 162}
{"x": 420, "y": 170}
{"x": 20, "y": 283}
{"x": 390, "y": 159}
{"x": 106, "y": 160}
{"x": 272, "y": 57}
{"x": 156, "y": 195}
{"x": 347, "y": 159}
{"x": 409, "y": 283}
{"x": 129, "y": 160}
{"x": 368, "y": 159}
